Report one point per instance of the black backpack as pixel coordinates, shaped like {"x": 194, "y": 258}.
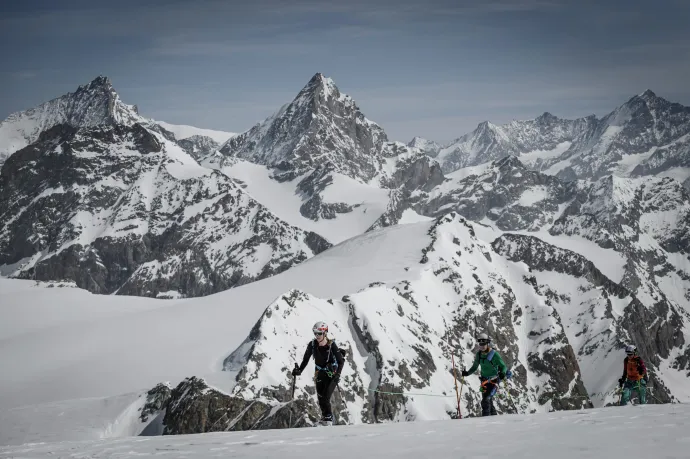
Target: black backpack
{"x": 334, "y": 362}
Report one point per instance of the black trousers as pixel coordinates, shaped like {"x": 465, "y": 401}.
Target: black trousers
{"x": 488, "y": 409}
{"x": 324, "y": 390}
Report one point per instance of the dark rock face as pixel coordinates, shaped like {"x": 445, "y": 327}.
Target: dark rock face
{"x": 109, "y": 209}
{"x": 198, "y": 146}
{"x": 656, "y": 330}
{"x": 508, "y": 193}
{"x": 156, "y": 401}
{"x": 195, "y": 408}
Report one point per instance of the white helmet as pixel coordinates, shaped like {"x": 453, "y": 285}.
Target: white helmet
{"x": 320, "y": 327}
{"x": 483, "y": 339}
{"x": 630, "y": 349}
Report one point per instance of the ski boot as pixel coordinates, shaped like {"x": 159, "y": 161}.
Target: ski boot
{"x": 326, "y": 421}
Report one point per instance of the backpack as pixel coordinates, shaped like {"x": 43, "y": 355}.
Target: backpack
{"x": 334, "y": 364}
{"x": 490, "y": 356}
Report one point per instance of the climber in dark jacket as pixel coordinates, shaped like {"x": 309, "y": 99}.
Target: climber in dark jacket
{"x": 329, "y": 364}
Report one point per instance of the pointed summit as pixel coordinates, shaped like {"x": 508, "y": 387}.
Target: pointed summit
{"x": 320, "y": 89}
{"x": 92, "y": 104}
{"x": 101, "y": 81}
{"x": 648, "y": 94}
{"x": 320, "y": 127}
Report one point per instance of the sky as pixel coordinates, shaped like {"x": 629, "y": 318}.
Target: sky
{"x": 433, "y": 68}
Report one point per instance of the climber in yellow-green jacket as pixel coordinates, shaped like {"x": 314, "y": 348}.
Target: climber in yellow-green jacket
{"x": 492, "y": 371}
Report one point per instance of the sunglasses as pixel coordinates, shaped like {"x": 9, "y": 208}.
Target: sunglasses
{"x": 483, "y": 342}
{"x": 318, "y": 333}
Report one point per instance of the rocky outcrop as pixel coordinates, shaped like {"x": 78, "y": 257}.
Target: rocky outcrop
{"x": 506, "y": 192}
{"x": 198, "y": 146}
{"x": 194, "y": 407}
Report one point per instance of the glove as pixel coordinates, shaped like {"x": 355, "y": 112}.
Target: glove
{"x": 296, "y": 372}
{"x": 465, "y": 373}
{"x": 620, "y": 382}
{"x": 335, "y": 379}
{"x": 509, "y": 374}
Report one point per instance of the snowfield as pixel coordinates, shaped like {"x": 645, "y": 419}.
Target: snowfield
{"x": 183, "y": 131}
{"x": 283, "y": 200}
{"x": 605, "y": 433}
{"x": 121, "y": 344}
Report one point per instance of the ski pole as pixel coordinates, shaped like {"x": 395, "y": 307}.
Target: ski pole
{"x": 462, "y": 384}
{"x": 620, "y": 392}
{"x": 292, "y": 396}
{"x": 455, "y": 377}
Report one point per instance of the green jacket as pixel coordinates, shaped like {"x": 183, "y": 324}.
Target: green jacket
{"x": 488, "y": 369}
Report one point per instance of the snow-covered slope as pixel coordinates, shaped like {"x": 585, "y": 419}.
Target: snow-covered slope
{"x": 183, "y": 131}
{"x": 320, "y": 164}
{"x": 346, "y": 207}
{"x": 558, "y": 321}
{"x": 647, "y": 135}
{"x": 429, "y": 147}
{"x": 647, "y": 220}
{"x": 90, "y": 105}
{"x": 49, "y": 360}
{"x": 121, "y": 209}
{"x": 403, "y": 300}
{"x": 561, "y": 272}
{"x": 599, "y": 433}
{"x": 541, "y": 137}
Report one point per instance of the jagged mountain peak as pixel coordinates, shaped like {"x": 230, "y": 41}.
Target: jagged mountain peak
{"x": 101, "y": 81}
{"x": 648, "y": 94}
{"x": 321, "y": 125}
{"x": 547, "y": 117}
{"x": 92, "y": 104}
{"x": 640, "y": 104}
{"x": 320, "y": 89}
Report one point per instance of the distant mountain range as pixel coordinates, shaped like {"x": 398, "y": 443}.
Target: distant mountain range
{"x": 563, "y": 239}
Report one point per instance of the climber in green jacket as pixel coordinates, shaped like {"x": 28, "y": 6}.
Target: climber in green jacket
{"x": 492, "y": 371}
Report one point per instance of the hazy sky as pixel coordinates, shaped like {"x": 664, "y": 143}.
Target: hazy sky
{"x": 432, "y": 68}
